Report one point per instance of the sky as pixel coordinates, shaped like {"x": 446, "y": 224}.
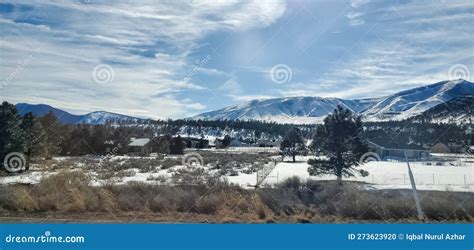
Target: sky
{"x": 176, "y": 59}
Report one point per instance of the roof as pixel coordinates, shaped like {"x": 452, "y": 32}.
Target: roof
{"x": 389, "y": 144}
{"x": 139, "y": 142}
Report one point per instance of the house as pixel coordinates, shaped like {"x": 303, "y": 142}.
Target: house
{"x": 236, "y": 143}
{"x": 141, "y": 146}
{"x": 440, "y": 148}
{"x": 390, "y": 150}
{"x": 193, "y": 142}
{"x": 265, "y": 143}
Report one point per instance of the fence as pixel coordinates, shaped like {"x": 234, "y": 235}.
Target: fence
{"x": 264, "y": 172}
{"x": 422, "y": 179}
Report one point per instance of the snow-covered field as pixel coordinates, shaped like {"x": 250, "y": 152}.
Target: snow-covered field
{"x": 382, "y": 174}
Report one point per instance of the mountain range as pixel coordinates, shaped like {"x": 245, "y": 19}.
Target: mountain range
{"x": 310, "y": 109}
{"x": 98, "y": 117}
{"x": 459, "y": 110}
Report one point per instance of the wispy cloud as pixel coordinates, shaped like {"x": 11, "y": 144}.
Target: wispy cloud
{"x": 358, "y": 3}
{"x": 177, "y": 58}
{"x": 148, "y": 46}
{"x": 356, "y": 17}
{"x": 416, "y": 45}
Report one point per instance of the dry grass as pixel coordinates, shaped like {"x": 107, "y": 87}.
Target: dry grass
{"x": 350, "y": 201}
{"x": 293, "y": 201}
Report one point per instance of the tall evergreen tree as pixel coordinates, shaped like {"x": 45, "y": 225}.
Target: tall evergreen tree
{"x": 35, "y": 139}
{"x": 226, "y": 141}
{"x": 53, "y": 135}
{"x": 176, "y": 145}
{"x": 97, "y": 139}
{"x": 12, "y": 136}
{"x": 293, "y": 144}
{"x": 341, "y": 140}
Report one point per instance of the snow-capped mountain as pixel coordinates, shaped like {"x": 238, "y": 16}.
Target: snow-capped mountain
{"x": 459, "y": 110}
{"x": 98, "y": 117}
{"x": 286, "y": 110}
{"x": 415, "y": 101}
{"x": 299, "y": 110}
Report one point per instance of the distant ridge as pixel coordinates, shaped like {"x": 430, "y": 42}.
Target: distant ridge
{"x": 309, "y": 109}
{"x": 98, "y": 117}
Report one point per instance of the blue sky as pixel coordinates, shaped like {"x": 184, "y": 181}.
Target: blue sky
{"x": 174, "y": 59}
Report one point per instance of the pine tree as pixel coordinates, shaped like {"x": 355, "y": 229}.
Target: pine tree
{"x": 292, "y": 144}
{"x": 341, "y": 141}
{"x": 176, "y": 145}
{"x": 97, "y": 139}
{"x": 162, "y": 144}
{"x": 35, "y": 136}
{"x": 53, "y": 134}
{"x": 12, "y": 136}
{"x": 226, "y": 141}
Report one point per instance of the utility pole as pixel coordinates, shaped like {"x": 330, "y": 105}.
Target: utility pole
{"x": 421, "y": 216}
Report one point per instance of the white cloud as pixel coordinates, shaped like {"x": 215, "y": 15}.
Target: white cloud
{"x": 358, "y": 3}
{"x": 245, "y": 98}
{"x": 416, "y": 45}
{"x": 148, "y": 46}
{"x": 356, "y": 22}
{"x": 355, "y": 18}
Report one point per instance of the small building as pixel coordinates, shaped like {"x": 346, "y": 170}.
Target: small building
{"x": 140, "y": 146}
{"x": 440, "y": 148}
{"x": 391, "y": 150}
{"x": 265, "y": 143}
{"x": 236, "y": 143}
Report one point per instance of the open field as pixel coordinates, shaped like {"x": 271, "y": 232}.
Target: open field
{"x": 239, "y": 166}
{"x": 69, "y": 197}
{"x": 165, "y": 189}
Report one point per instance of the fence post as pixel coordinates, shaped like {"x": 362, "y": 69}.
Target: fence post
{"x": 413, "y": 187}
